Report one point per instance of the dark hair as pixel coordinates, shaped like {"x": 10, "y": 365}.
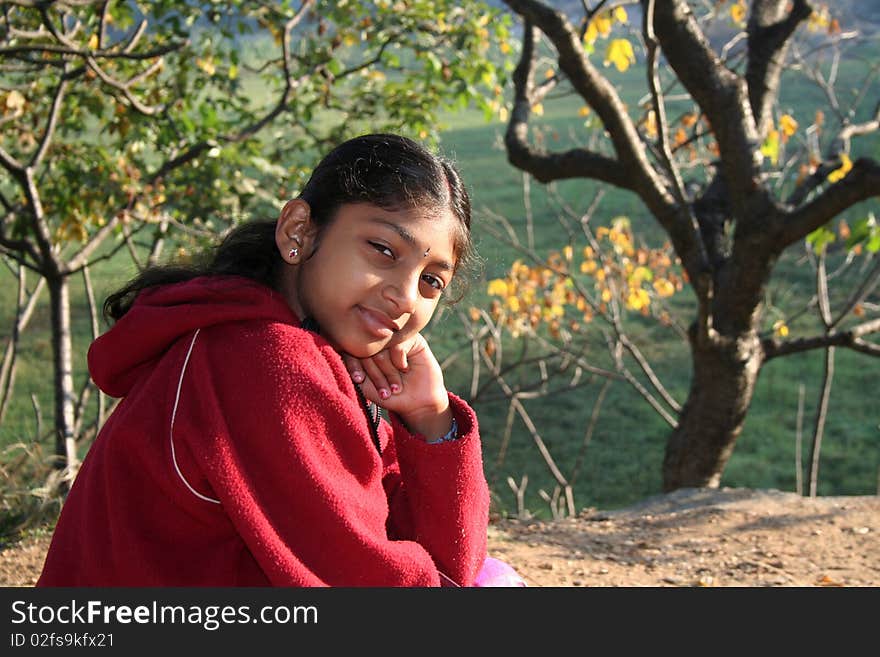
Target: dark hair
{"x": 389, "y": 171}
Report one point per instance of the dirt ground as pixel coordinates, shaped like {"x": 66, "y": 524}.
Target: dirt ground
{"x": 692, "y": 537}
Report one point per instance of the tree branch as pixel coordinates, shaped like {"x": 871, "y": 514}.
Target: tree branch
{"x": 599, "y": 94}
{"x": 860, "y": 184}
{"x": 545, "y": 166}
{"x": 851, "y": 338}
{"x": 840, "y": 144}
{"x": 769, "y": 32}
{"x": 721, "y": 94}
{"x": 51, "y": 123}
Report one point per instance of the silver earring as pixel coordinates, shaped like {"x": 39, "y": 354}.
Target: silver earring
{"x": 294, "y": 252}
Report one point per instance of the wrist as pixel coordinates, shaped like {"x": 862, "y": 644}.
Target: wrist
{"x": 431, "y": 424}
{"x": 450, "y": 435}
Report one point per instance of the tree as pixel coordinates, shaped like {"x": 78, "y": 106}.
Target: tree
{"x": 143, "y": 119}
{"x": 729, "y": 225}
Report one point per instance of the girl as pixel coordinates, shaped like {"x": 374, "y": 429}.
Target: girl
{"x": 248, "y": 449}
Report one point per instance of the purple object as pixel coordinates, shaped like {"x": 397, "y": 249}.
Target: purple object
{"x": 498, "y": 573}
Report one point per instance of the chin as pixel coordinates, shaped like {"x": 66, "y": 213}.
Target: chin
{"x": 364, "y": 351}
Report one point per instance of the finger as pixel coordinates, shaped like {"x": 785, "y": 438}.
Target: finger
{"x": 354, "y": 367}
{"x": 398, "y": 357}
{"x": 384, "y": 360}
{"x": 376, "y": 378}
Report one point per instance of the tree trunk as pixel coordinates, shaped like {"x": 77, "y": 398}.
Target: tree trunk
{"x": 723, "y": 382}
{"x": 62, "y": 353}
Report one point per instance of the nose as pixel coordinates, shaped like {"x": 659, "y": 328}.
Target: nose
{"x": 403, "y": 292}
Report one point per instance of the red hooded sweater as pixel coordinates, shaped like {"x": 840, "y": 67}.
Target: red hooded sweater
{"x": 242, "y": 456}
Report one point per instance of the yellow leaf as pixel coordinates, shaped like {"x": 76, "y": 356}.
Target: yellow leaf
{"x": 664, "y": 287}
{"x": 206, "y": 65}
{"x": 538, "y": 109}
{"x": 567, "y": 252}
{"x": 640, "y": 274}
{"x": 838, "y": 174}
{"x": 513, "y": 304}
{"x": 591, "y": 34}
{"x": 498, "y": 287}
{"x": 619, "y": 14}
{"x": 620, "y": 53}
{"x": 819, "y": 20}
{"x": 584, "y": 111}
{"x": 680, "y": 137}
{"x": 651, "y": 124}
{"x": 603, "y": 24}
{"x": 738, "y": 13}
{"x": 788, "y": 125}
{"x": 637, "y": 299}
{"x": 549, "y": 73}
{"x": 503, "y": 114}
{"x": 93, "y": 42}
{"x": 770, "y": 147}
{"x": 588, "y": 266}
{"x": 233, "y": 72}
{"x": 505, "y": 47}
{"x": 780, "y": 328}
{"x": 15, "y": 100}
{"x": 606, "y": 295}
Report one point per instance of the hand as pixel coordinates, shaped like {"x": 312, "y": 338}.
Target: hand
{"x": 406, "y": 379}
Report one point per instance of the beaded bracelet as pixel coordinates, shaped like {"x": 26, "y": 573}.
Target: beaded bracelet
{"x": 450, "y": 435}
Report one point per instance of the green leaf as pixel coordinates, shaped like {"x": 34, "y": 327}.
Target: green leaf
{"x": 820, "y": 238}
{"x": 334, "y": 66}
{"x": 864, "y": 230}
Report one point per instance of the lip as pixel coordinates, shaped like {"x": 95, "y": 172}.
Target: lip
{"x": 378, "y": 323}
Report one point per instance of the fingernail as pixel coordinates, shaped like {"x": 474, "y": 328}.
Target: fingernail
{"x": 383, "y": 393}
{"x": 358, "y": 377}
{"x": 395, "y": 388}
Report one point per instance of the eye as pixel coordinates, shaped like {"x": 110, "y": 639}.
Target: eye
{"x": 434, "y": 281}
{"x": 381, "y": 248}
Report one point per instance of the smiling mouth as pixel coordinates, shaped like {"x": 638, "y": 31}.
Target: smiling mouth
{"x": 378, "y": 323}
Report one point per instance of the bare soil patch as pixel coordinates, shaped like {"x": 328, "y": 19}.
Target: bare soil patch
{"x": 692, "y": 537}
{"x": 703, "y": 537}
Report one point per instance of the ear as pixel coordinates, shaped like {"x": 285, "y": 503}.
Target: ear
{"x": 293, "y": 231}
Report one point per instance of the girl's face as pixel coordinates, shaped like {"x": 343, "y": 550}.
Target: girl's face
{"x": 375, "y": 276}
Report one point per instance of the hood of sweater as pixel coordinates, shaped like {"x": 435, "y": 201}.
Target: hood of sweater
{"x": 160, "y": 316}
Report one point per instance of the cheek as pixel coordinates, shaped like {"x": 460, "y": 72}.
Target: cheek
{"x": 417, "y": 322}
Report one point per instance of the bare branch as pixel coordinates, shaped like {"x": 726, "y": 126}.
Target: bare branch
{"x": 51, "y": 123}
{"x": 73, "y": 51}
{"x": 657, "y": 102}
{"x": 860, "y": 184}
{"x": 850, "y": 338}
{"x": 720, "y": 93}
{"x": 769, "y": 30}
{"x": 860, "y": 294}
{"x": 545, "y": 166}
{"x": 821, "y": 415}
{"x": 646, "y": 368}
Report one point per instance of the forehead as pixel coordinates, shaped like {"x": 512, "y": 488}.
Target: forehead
{"x": 422, "y": 228}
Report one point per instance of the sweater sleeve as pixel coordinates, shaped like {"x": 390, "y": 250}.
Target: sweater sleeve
{"x": 275, "y": 425}
{"x": 439, "y": 496}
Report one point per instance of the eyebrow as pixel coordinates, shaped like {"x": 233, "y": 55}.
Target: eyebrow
{"x": 410, "y": 239}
